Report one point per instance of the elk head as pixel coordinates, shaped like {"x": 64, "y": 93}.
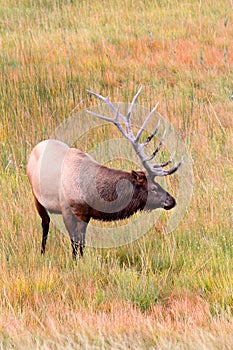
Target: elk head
{"x": 157, "y": 196}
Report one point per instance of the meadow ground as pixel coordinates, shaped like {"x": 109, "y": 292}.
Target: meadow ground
{"x": 165, "y": 291}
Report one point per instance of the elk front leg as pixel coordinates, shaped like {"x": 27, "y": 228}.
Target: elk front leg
{"x": 78, "y": 240}
{"x": 77, "y": 230}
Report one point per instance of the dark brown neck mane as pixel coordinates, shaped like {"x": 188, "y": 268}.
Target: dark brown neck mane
{"x": 106, "y": 183}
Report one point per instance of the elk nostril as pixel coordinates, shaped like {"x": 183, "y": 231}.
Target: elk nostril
{"x": 169, "y": 203}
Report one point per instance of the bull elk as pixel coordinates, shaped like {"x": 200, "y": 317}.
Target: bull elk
{"x": 67, "y": 181}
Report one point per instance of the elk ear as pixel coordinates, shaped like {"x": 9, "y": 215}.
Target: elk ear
{"x": 138, "y": 176}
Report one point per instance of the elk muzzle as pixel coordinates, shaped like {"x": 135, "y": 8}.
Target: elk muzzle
{"x": 169, "y": 202}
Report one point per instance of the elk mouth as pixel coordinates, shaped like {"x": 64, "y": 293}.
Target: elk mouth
{"x": 169, "y": 203}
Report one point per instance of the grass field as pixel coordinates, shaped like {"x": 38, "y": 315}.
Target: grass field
{"x": 165, "y": 291}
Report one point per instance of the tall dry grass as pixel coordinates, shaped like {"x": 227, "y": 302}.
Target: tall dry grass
{"x": 164, "y": 291}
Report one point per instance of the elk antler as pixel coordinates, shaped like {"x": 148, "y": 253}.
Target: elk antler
{"x": 152, "y": 169}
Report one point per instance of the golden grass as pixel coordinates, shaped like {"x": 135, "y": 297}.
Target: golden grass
{"x": 164, "y": 291}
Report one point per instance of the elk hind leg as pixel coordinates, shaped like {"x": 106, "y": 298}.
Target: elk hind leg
{"x": 45, "y": 223}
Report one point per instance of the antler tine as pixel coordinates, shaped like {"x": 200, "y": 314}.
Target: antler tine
{"x": 111, "y": 120}
{"x": 146, "y": 121}
{"x": 133, "y": 103}
{"x": 130, "y": 110}
{"x": 161, "y": 165}
{"x": 157, "y": 148}
{"x": 149, "y": 138}
{"x": 161, "y": 172}
{"x": 108, "y": 103}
